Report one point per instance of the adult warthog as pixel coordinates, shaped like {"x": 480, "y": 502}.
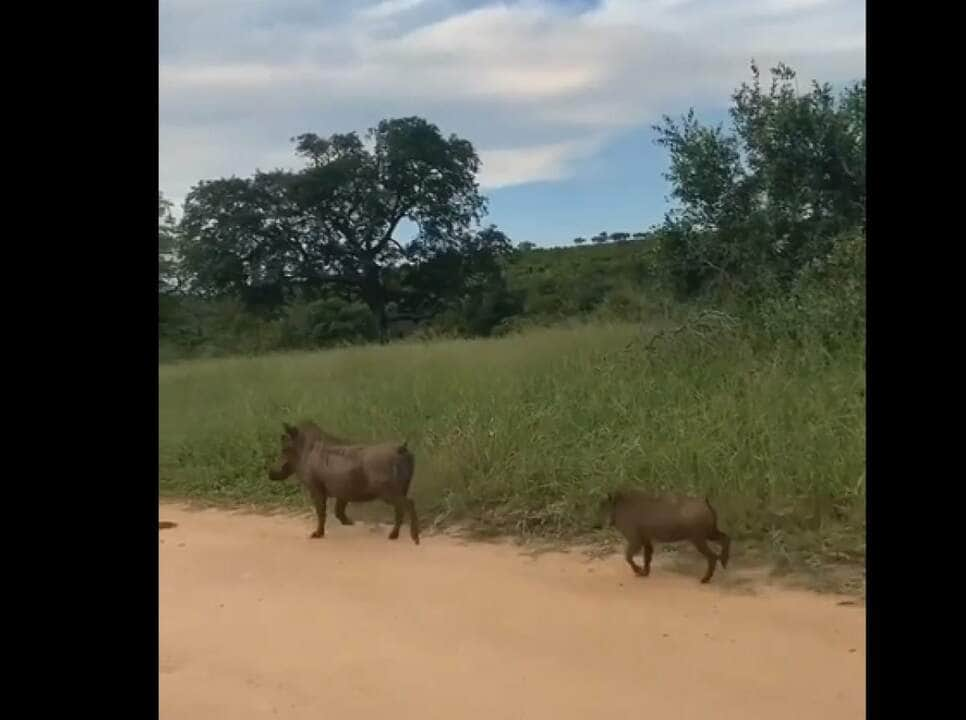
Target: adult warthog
{"x": 330, "y": 467}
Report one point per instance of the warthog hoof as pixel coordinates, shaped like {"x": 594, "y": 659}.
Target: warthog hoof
{"x": 394, "y": 535}
{"x": 347, "y": 521}
{"x": 317, "y": 534}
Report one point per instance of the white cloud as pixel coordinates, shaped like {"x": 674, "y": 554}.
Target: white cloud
{"x": 237, "y": 80}
{"x": 390, "y": 8}
{"x": 515, "y": 166}
{"x": 218, "y": 77}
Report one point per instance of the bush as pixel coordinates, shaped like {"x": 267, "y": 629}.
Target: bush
{"x": 327, "y": 322}
{"x": 826, "y": 304}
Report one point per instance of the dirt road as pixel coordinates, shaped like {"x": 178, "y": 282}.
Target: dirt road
{"x": 258, "y": 621}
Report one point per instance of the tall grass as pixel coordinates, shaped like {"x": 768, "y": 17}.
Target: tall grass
{"x": 524, "y": 434}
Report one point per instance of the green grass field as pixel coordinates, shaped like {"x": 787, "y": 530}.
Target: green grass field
{"x": 524, "y": 434}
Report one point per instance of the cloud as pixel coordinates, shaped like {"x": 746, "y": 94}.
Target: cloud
{"x": 537, "y": 85}
{"x": 516, "y": 166}
{"x": 390, "y": 8}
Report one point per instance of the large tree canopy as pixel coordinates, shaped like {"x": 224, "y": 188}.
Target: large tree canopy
{"x": 758, "y": 203}
{"x": 332, "y": 224}
{"x": 244, "y": 237}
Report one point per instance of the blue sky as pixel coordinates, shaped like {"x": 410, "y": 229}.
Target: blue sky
{"x": 558, "y": 96}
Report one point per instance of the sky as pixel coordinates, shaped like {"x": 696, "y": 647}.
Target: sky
{"x": 557, "y": 96}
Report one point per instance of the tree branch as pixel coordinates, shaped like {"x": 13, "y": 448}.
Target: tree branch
{"x": 347, "y": 232}
{"x": 396, "y": 216}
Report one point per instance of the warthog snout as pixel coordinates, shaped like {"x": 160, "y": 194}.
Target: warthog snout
{"x": 602, "y": 513}
{"x": 288, "y": 457}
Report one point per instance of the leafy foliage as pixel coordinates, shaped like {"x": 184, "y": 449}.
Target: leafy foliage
{"x": 757, "y": 204}
{"x": 331, "y": 225}
{"x": 167, "y": 244}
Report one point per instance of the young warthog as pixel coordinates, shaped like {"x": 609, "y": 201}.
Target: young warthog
{"x": 328, "y": 467}
{"x": 643, "y": 518}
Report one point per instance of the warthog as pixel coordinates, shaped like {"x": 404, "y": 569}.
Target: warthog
{"x": 329, "y": 467}
{"x": 643, "y": 518}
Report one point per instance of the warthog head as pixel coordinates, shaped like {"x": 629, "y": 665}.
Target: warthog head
{"x": 288, "y": 458}
{"x": 604, "y": 515}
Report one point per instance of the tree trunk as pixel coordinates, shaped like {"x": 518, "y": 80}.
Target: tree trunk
{"x": 383, "y": 321}
{"x": 375, "y": 297}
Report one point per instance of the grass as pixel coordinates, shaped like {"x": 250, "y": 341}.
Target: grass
{"x": 523, "y": 434}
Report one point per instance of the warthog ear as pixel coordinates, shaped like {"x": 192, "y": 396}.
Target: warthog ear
{"x": 289, "y": 430}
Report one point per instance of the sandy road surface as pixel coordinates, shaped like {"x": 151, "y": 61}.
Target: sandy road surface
{"x": 258, "y": 621}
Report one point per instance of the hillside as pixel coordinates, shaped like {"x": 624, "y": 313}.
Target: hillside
{"x": 567, "y": 281}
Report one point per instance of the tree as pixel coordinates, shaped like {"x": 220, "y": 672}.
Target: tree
{"x": 579, "y": 240}
{"x": 245, "y": 238}
{"x": 356, "y": 198}
{"x": 525, "y": 246}
{"x": 167, "y": 242}
{"x": 599, "y": 238}
{"x": 620, "y": 236}
{"x": 465, "y": 279}
{"x": 332, "y": 223}
{"x": 758, "y": 203}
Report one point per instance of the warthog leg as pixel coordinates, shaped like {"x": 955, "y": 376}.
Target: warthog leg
{"x": 413, "y": 521}
{"x": 340, "y": 506}
{"x": 725, "y": 542}
{"x": 318, "y": 499}
{"x": 702, "y": 546}
{"x": 399, "y": 506}
{"x": 634, "y": 547}
{"x": 404, "y": 506}
{"x": 648, "y": 554}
